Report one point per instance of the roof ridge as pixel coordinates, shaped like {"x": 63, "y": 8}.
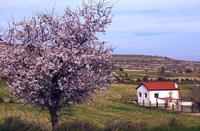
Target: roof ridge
{"x": 159, "y": 85}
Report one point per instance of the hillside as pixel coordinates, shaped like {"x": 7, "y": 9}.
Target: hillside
{"x": 144, "y": 62}
{"x": 153, "y": 63}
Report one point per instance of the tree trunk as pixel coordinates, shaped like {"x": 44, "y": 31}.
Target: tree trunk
{"x": 54, "y": 118}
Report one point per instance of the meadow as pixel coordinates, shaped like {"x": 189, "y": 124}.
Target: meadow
{"x": 151, "y": 74}
{"x": 106, "y": 107}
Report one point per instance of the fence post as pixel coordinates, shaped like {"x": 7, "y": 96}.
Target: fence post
{"x": 177, "y": 104}
{"x": 149, "y": 103}
{"x": 165, "y": 105}
{"x": 192, "y": 111}
{"x": 157, "y": 102}
{"x": 172, "y": 106}
{"x": 198, "y": 106}
{"x": 143, "y": 102}
{"x": 181, "y": 108}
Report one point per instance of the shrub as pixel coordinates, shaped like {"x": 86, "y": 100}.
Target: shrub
{"x": 15, "y": 124}
{"x": 173, "y": 122}
{"x": 121, "y": 69}
{"x": 161, "y": 78}
{"x": 188, "y": 71}
{"x": 1, "y": 100}
{"x": 77, "y": 126}
{"x": 145, "y": 78}
{"x": 138, "y": 81}
{"x": 11, "y": 100}
{"x": 172, "y": 125}
{"x": 126, "y": 126}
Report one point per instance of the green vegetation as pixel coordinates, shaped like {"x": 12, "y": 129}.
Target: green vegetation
{"x": 106, "y": 111}
{"x": 133, "y": 77}
{"x": 16, "y": 124}
{"x": 140, "y": 74}
{"x": 4, "y": 92}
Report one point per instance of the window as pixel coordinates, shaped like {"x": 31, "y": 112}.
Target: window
{"x": 146, "y": 95}
{"x": 156, "y": 95}
{"x": 140, "y": 94}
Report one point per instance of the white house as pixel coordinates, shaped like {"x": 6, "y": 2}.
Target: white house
{"x": 158, "y": 93}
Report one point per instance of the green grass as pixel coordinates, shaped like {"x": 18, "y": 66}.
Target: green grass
{"x": 185, "y": 90}
{"x": 4, "y": 91}
{"x": 137, "y": 74}
{"x": 141, "y": 74}
{"x": 185, "y": 86}
{"x": 105, "y": 108}
{"x": 2, "y": 84}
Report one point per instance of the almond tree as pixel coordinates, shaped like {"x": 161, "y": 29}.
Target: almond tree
{"x": 55, "y": 61}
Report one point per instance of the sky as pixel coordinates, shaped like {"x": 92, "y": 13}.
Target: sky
{"x": 149, "y": 27}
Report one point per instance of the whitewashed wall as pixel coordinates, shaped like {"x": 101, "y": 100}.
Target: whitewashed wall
{"x": 151, "y": 95}
{"x": 143, "y": 90}
{"x": 163, "y": 94}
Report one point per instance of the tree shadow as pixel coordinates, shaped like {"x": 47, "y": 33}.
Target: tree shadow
{"x": 174, "y": 125}
{"x": 174, "y": 128}
{"x": 78, "y": 126}
{"x": 16, "y": 124}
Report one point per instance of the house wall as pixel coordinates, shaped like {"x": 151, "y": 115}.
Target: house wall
{"x": 143, "y": 90}
{"x": 163, "y": 94}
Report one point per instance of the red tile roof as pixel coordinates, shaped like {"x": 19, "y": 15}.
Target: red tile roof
{"x": 159, "y": 85}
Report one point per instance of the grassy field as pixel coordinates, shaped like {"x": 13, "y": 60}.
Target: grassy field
{"x": 141, "y": 74}
{"x": 105, "y": 108}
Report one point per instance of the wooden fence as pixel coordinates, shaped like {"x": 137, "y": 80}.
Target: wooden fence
{"x": 194, "y": 108}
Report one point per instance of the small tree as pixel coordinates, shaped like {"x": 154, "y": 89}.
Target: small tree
{"x": 195, "y": 92}
{"x": 188, "y": 70}
{"x": 145, "y": 78}
{"x": 161, "y": 71}
{"x": 55, "y": 61}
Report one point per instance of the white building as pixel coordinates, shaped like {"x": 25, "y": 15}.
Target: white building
{"x": 161, "y": 93}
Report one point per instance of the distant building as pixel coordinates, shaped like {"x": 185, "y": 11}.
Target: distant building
{"x": 158, "y": 94}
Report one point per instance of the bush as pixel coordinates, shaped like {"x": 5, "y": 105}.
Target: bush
{"x": 145, "y": 78}
{"x": 172, "y": 125}
{"x": 188, "y": 71}
{"x": 161, "y": 78}
{"x": 11, "y": 100}
{"x": 1, "y": 100}
{"x": 121, "y": 69}
{"x": 15, "y": 124}
{"x": 138, "y": 81}
{"x": 173, "y": 122}
{"x": 126, "y": 126}
{"x": 77, "y": 126}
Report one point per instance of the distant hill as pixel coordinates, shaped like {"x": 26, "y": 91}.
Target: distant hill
{"x": 143, "y": 62}
{"x": 153, "y": 63}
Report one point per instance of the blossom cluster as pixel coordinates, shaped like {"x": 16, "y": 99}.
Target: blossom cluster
{"x": 52, "y": 61}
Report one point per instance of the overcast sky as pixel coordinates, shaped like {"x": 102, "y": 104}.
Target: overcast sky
{"x": 152, "y": 27}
